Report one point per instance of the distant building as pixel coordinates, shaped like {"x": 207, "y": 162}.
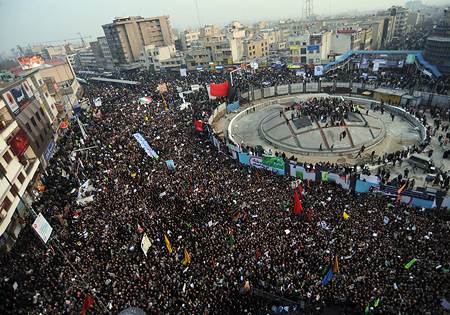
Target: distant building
{"x": 107, "y": 62}
{"x": 126, "y": 36}
{"x": 256, "y": 48}
{"x": 437, "y": 49}
{"x": 401, "y": 16}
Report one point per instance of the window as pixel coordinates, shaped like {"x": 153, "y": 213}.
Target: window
{"x": 6, "y": 204}
{"x": 7, "y": 157}
{"x": 42, "y": 111}
{"x": 14, "y": 190}
{"x": 2, "y": 171}
{"x": 303, "y": 51}
{"x": 38, "y": 116}
{"x": 21, "y": 178}
{"x": 37, "y": 145}
{"x": 33, "y": 121}
{"x": 42, "y": 139}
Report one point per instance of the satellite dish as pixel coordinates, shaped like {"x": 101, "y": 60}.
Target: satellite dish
{"x": 132, "y": 311}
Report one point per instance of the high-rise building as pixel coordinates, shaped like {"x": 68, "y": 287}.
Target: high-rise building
{"x": 126, "y": 36}
{"x": 107, "y": 61}
{"x": 437, "y": 49}
{"x": 401, "y": 16}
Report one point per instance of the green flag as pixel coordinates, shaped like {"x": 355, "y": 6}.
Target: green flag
{"x": 231, "y": 239}
{"x": 367, "y": 308}
{"x": 410, "y": 263}
{"x": 376, "y": 302}
{"x": 325, "y": 271}
{"x": 111, "y": 253}
{"x": 265, "y": 215}
{"x": 76, "y": 142}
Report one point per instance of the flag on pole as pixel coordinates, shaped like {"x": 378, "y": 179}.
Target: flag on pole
{"x": 231, "y": 238}
{"x": 410, "y": 263}
{"x": 235, "y": 219}
{"x": 168, "y": 244}
{"x": 329, "y": 276}
{"x": 399, "y": 191}
{"x": 137, "y": 275}
{"x": 335, "y": 265}
{"x": 87, "y": 303}
{"x": 346, "y": 216}
{"x": 140, "y": 230}
{"x": 376, "y": 302}
{"x": 187, "y": 259}
{"x": 297, "y": 205}
{"x": 111, "y": 253}
{"x": 368, "y": 308}
{"x": 258, "y": 254}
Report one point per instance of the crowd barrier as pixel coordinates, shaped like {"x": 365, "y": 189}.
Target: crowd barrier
{"x": 359, "y": 185}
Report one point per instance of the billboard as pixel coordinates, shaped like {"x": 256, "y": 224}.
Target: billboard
{"x": 31, "y": 62}
{"x": 346, "y": 31}
{"x": 49, "y": 151}
{"x": 42, "y": 228}
{"x": 18, "y": 97}
{"x": 19, "y": 143}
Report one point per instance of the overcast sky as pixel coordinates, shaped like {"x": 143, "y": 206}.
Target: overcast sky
{"x": 36, "y": 21}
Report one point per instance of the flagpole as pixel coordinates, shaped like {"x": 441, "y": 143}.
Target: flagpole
{"x": 165, "y": 104}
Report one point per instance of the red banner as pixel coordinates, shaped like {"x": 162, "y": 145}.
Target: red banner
{"x": 199, "y": 125}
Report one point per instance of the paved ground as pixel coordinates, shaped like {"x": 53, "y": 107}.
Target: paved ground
{"x": 399, "y": 135}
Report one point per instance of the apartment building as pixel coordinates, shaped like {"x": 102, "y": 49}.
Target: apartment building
{"x": 126, "y": 36}
{"x": 256, "y": 48}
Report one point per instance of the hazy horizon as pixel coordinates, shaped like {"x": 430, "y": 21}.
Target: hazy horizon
{"x": 29, "y": 25}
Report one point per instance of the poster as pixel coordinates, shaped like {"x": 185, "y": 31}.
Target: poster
{"x": 273, "y": 161}
{"x": 145, "y": 244}
{"x": 42, "y": 228}
{"x": 318, "y": 70}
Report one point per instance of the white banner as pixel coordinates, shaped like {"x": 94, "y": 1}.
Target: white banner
{"x": 318, "y": 70}
{"x": 145, "y": 244}
{"x": 98, "y": 101}
{"x": 183, "y": 72}
{"x": 42, "y": 228}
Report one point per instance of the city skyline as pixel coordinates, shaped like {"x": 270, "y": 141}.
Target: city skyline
{"x": 68, "y": 20}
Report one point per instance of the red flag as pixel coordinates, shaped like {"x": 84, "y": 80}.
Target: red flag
{"x": 214, "y": 264}
{"x": 257, "y": 175}
{"x": 258, "y": 254}
{"x": 76, "y": 214}
{"x": 309, "y": 215}
{"x": 200, "y": 188}
{"x": 300, "y": 188}
{"x": 297, "y": 205}
{"x": 191, "y": 190}
{"x": 219, "y": 90}
{"x": 199, "y": 125}
{"x": 87, "y": 303}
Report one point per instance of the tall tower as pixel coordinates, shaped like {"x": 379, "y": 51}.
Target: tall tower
{"x": 307, "y": 9}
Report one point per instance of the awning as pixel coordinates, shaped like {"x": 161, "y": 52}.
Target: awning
{"x": 366, "y": 92}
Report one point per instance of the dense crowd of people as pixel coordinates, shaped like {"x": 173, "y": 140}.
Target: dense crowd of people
{"x": 368, "y": 239}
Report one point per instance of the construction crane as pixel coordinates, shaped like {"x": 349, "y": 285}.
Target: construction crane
{"x": 65, "y": 40}
{"x": 82, "y": 40}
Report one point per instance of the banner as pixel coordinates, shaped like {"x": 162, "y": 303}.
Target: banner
{"x": 234, "y": 150}
{"x": 364, "y": 63}
{"x": 145, "y": 244}
{"x": 219, "y": 90}
{"x": 257, "y": 162}
{"x": 42, "y": 228}
{"x": 170, "y": 164}
{"x": 98, "y": 101}
{"x": 232, "y": 107}
{"x": 199, "y": 125}
{"x": 318, "y": 70}
{"x": 376, "y": 66}
{"x": 162, "y": 87}
{"x": 183, "y": 72}
{"x": 144, "y": 144}
{"x": 273, "y": 161}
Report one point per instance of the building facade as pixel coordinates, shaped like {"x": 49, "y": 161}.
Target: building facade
{"x": 126, "y": 36}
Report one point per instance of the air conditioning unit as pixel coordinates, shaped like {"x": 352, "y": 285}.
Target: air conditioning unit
{"x": 3, "y": 214}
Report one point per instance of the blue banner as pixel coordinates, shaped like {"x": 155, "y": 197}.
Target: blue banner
{"x": 170, "y": 164}
{"x": 49, "y": 151}
{"x": 232, "y": 107}
{"x": 144, "y": 144}
{"x": 363, "y": 186}
{"x": 314, "y": 47}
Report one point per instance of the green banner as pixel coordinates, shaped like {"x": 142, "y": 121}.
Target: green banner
{"x": 273, "y": 161}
